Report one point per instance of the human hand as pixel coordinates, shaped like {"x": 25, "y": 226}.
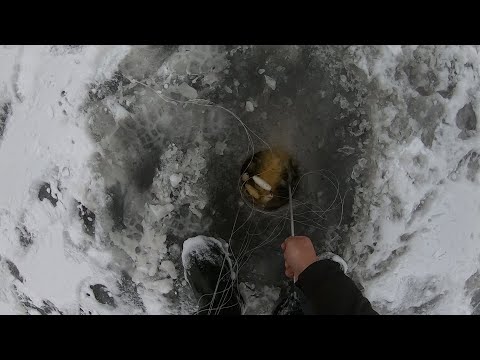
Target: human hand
{"x": 299, "y": 254}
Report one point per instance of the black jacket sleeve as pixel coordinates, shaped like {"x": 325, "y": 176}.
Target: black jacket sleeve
{"x": 329, "y": 291}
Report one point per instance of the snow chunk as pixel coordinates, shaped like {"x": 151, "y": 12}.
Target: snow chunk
{"x": 160, "y": 211}
{"x": 165, "y": 285}
{"x": 271, "y": 82}
{"x": 175, "y": 179}
{"x": 169, "y": 267}
{"x": 249, "y": 106}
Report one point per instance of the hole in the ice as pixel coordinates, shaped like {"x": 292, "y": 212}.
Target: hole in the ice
{"x": 273, "y": 167}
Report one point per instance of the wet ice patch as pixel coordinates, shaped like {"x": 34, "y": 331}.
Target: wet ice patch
{"x": 102, "y": 294}
{"x": 45, "y": 192}
{"x": 466, "y": 120}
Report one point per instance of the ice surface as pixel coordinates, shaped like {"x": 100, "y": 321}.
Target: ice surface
{"x": 396, "y": 126}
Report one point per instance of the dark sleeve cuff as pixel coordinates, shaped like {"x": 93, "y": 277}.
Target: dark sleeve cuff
{"x": 329, "y": 291}
{"x": 316, "y": 275}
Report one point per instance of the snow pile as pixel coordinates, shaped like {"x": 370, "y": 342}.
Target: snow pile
{"x": 415, "y": 246}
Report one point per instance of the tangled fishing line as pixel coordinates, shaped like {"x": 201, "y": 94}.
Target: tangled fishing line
{"x": 311, "y": 214}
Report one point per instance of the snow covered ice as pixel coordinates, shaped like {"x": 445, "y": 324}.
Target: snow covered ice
{"x": 110, "y": 160}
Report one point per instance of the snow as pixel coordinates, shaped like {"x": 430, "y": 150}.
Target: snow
{"x": 66, "y": 115}
{"x": 169, "y": 267}
{"x": 443, "y": 254}
{"x": 429, "y": 232}
{"x": 37, "y": 143}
